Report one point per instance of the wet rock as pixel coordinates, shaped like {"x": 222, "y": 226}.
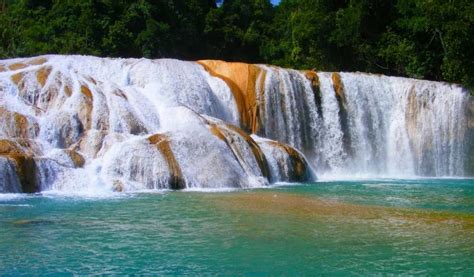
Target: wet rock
{"x": 230, "y": 135}
{"x": 42, "y": 75}
{"x": 37, "y": 61}
{"x": 62, "y": 129}
{"x": 17, "y": 66}
{"x": 25, "y": 167}
{"x": 244, "y": 80}
{"x": 16, "y": 125}
{"x": 77, "y": 159}
{"x": 339, "y": 89}
{"x": 8, "y": 147}
{"x": 176, "y": 180}
{"x": 118, "y": 186}
{"x": 313, "y": 77}
{"x": 67, "y": 158}
{"x": 286, "y": 163}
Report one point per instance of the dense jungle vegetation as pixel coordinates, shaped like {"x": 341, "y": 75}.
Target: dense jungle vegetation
{"x": 430, "y": 39}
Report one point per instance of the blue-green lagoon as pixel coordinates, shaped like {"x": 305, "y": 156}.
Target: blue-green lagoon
{"x": 423, "y": 226}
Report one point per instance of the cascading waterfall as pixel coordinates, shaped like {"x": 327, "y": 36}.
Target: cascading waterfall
{"x": 74, "y": 123}
{"x": 370, "y": 125}
{"x": 407, "y": 127}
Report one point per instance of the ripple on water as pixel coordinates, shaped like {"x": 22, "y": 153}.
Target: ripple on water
{"x": 326, "y": 228}
{"x": 13, "y": 196}
{"x": 16, "y": 205}
{"x": 391, "y": 185}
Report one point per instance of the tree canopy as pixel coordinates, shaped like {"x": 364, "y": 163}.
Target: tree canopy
{"x": 428, "y": 39}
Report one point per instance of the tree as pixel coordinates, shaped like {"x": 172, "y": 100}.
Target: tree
{"x": 238, "y": 28}
{"x": 428, "y": 39}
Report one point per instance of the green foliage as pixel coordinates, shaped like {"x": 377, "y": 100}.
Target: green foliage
{"x": 429, "y": 39}
{"x": 104, "y": 27}
{"x": 438, "y": 34}
{"x": 237, "y": 29}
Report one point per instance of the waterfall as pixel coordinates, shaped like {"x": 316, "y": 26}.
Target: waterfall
{"x": 371, "y": 125}
{"x": 73, "y": 123}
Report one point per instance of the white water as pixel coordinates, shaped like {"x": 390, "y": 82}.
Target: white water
{"x": 394, "y": 127}
{"x": 389, "y": 126}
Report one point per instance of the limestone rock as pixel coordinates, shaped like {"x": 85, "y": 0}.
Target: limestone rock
{"x": 67, "y": 157}
{"x": 286, "y": 163}
{"x": 16, "y": 125}
{"x": 23, "y": 164}
{"x": 244, "y": 80}
{"x": 176, "y": 180}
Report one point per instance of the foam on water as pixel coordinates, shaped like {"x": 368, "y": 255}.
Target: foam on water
{"x": 12, "y": 196}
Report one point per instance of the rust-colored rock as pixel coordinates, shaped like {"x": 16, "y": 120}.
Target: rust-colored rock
{"x": 299, "y": 165}
{"x": 16, "y": 125}
{"x": 86, "y": 92}
{"x": 84, "y": 110}
{"x": 25, "y": 165}
{"x": 176, "y": 180}
{"x": 217, "y": 131}
{"x": 21, "y": 123}
{"x": 339, "y": 89}
{"x": 313, "y": 77}
{"x": 37, "y": 61}
{"x": 16, "y": 78}
{"x": 8, "y": 147}
{"x": 17, "y": 66}
{"x": 19, "y": 80}
{"x": 244, "y": 80}
{"x": 76, "y": 158}
{"x": 27, "y": 146}
{"x": 42, "y": 75}
{"x": 67, "y": 90}
{"x": 2, "y": 68}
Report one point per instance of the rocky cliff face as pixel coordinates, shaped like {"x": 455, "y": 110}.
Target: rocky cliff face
{"x": 86, "y": 123}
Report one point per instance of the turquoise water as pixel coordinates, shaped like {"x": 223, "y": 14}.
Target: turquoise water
{"x": 339, "y": 227}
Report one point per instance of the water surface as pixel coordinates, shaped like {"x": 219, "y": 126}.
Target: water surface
{"x": 368, "y": 226}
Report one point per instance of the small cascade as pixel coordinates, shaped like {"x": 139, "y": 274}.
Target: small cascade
{"x": 289, "y": 111}
{"x": 286, "y": 164}
{"x": 139, "y": 162}
{"x": 76, "y": 123}
{"x": 245, "y": 149}
{"x": 9, "y": 181}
